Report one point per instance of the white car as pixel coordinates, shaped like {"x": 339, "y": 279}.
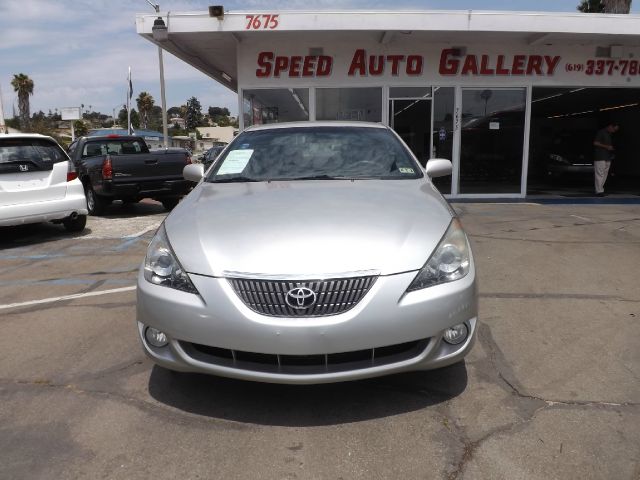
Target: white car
{"x": 38, "y": 183}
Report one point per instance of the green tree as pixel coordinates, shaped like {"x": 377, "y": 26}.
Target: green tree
{"x": 220, "y": 116}
{"x": 135, "y": 118}
{"x": 145, "y": 105}
{"x": 219, "y": 111}
{"x": 23, "y": 85}
{"x": 155, "y": 118}
{"x": 173, "y": 112}
{"x": 41, "y": 123}
{"x": 80, "y": 128}
{"x": 193, "y": 116}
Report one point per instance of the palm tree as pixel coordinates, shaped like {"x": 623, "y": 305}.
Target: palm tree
{"x": 617, "y": 6}
{"x": 605, "y": 6}
{"x": 23, "y": 85}
{"x": 145, "y": 104}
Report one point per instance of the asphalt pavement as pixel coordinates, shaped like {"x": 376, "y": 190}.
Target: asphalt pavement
{"x": 550, "y": 391}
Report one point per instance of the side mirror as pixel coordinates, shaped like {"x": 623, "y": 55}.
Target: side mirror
{"x": 193, "y": 172}
{"x": 438, "y": 167}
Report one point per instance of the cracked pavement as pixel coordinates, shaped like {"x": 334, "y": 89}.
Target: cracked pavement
{"x": 551, "y": 389}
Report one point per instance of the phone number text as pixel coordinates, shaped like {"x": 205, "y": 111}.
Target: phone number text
{"x": 606, "y": 67}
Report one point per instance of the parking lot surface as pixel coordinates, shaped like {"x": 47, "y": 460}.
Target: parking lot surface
{"x": 550, "y": 391}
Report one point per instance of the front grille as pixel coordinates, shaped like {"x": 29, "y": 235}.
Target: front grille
{"x": 305, "y": 364}
{"x": 269, "y": 297}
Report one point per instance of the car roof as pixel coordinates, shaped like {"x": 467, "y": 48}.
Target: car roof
{"x": 327, "y": 123}
{"x": 25, "y": 135}
{"x": 111, "y": 136}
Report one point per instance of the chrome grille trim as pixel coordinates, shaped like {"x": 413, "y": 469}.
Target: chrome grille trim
{"x": 334, "y": 296}
{"x": 304, "y": 277}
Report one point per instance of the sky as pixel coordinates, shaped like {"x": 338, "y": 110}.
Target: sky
{"x": 78, "y": 51}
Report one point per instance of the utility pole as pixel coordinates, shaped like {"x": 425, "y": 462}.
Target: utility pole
{"x": 3, "y": 127}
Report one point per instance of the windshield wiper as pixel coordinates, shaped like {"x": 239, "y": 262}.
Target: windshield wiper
{"x": 311, "y": 177}
{"x": 235, "y": 180}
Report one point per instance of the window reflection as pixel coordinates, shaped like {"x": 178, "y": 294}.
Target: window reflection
{"x": 360, "y": 104}
{"x": 273, "y": 105}
{"x": 492, "y": 140}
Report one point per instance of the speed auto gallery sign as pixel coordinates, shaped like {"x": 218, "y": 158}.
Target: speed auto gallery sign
{"x": 369, "y": 66}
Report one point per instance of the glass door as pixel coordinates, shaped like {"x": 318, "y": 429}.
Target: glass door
{"x": 410, "y": 117}
{"x": 424, "y": 119}
{"x": 442, "y": 131}
{"x": 492, "y": 140}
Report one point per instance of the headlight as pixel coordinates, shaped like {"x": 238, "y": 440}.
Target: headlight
{"x": 161, "y": 267}
{"x": 450, "y": 261}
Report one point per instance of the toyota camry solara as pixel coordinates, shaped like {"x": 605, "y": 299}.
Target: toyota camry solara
{"x": 310, "y": 252}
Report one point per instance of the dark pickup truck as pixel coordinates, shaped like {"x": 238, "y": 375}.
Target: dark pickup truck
{"x": 121, "y": 167}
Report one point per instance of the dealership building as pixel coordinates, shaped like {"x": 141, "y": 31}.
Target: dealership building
{"x": 514, "y": 99}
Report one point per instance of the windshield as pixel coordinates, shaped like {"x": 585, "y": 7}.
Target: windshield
{"x": 305, "y": 153}
{"x": 113, "y": 147}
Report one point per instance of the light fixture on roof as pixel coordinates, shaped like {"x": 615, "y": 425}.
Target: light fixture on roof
{"x": 226, "y": 76}
{"x": 216, "y": 11}
{"x": 161, "y": 34}
{"x": 159, "y": 30}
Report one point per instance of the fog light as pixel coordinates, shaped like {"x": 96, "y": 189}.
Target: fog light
{"x": 155, "y": 337}
{"x": 456, "y": 334}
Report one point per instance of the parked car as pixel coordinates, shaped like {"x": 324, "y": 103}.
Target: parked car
{"x": 121, "y": 167}
{"x": 571, "y": 155}
{"x": 310, "y": 252}
{"x": 211, "y": 154}
{"x": 38, "y": 183}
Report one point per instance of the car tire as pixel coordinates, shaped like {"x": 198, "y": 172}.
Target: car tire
{"x": 76, "y": 224}
{"x": 170, "y": 203}
{"x": 95, "y": 203}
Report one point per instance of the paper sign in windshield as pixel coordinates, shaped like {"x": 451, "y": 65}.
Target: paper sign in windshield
{"x": 406, "y": 170}
{"x": 235, "y": 162}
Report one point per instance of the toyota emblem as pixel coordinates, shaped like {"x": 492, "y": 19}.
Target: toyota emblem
{"x": 300, "y": 298}
{"x": 23, "y": 168}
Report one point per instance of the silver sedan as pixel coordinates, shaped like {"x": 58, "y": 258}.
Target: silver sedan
{"x": 310, "y": 252}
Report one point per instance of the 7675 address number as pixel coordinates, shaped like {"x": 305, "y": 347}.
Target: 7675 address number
{"x": 262, "y": 22}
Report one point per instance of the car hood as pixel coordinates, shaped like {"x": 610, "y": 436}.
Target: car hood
{"x": 313, "y": 229}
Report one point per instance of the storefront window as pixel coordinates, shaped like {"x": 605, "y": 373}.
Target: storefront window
{"x": 362, "y": 104}
{"x": 492, "y": 140}
{"x": 564, "y": 124}
{"x": 410, "y": 92}
{"x": 262, "y": 106}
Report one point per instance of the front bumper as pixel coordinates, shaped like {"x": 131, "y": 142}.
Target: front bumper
{"x": 386, "y": 316}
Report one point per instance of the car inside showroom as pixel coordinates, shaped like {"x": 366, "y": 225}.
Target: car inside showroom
{"x": 514, "y": 99}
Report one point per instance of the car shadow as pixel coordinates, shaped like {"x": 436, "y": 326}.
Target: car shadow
{"x": 143, "y": 208}
{"x": 306, "y": 405}
{"x": 35, "y": 233}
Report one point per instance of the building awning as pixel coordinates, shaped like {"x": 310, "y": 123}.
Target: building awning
{"x": 211, "y": 44}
